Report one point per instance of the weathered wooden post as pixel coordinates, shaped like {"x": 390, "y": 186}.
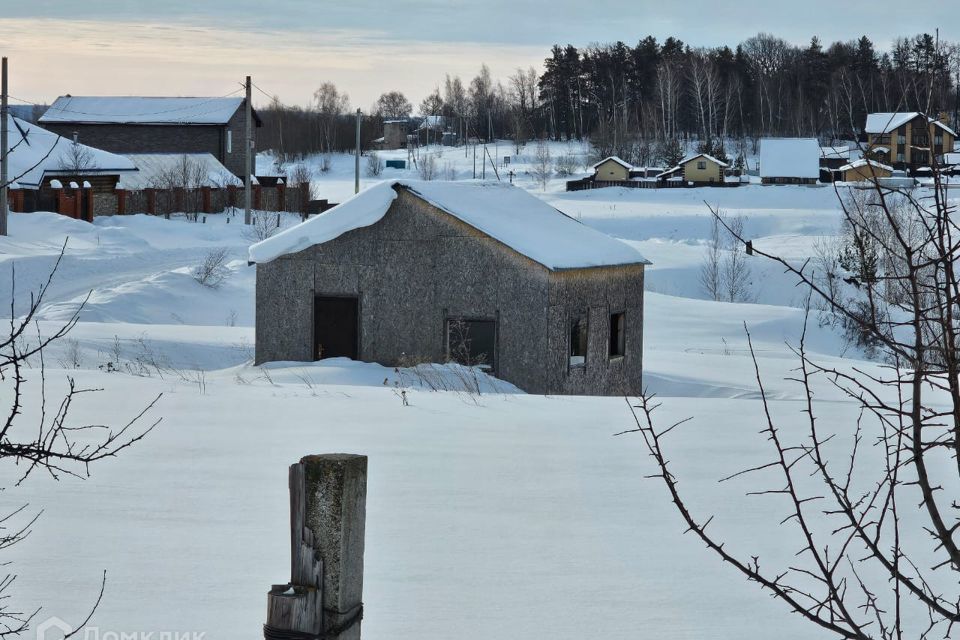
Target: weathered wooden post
{"x": 324, "y": 599}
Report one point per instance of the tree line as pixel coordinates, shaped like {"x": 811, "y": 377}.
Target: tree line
{"x": 648, "y": 102}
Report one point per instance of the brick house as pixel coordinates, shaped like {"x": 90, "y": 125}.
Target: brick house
{"x": 432, "y": 271}
{"x": 129, "y": 124}
{"x": 908, "y": 140}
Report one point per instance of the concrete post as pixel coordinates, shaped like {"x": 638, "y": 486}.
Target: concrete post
{"x": 327, "y": 519}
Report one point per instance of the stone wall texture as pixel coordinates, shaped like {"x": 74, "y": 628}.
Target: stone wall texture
{"x": 419, "y": 267}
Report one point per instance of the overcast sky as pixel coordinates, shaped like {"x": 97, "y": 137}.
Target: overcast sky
{"x": 205, "y": 47}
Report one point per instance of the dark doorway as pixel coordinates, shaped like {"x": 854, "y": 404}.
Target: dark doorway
{"x": 335, "y": 328}
{"x": 472, "y": 342}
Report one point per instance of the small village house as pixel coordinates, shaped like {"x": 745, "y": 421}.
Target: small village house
{"x": 908, "y": 140}
{"x": 483, "y": 274}
{"x": 863, "y": 170}
{"x": 831, "y": 159}
{"x": 130, "y": 124}
{"x": 611, "y": 169}
{"x": 789, "y": 160}
{"x": 700, "y": 169}
{"x": 46, "y": 168}
{"x": 394, "y": 135}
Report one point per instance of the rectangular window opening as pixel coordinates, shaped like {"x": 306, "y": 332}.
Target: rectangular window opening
{"x": 578, "y": 342}
{"x": 472, "y": 343}
{"x": 616, "y": 335}
{"x": 229, "y": 141}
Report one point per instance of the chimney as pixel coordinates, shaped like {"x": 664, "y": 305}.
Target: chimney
{"x": 76, "y": 136}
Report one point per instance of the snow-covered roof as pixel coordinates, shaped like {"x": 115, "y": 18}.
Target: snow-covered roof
{"x": 668, "y": 172}
{"x": 506, "y": 213}
{"x": 835, "y": 153}
{"x": 267, "y": 166}
{"x": 886, "y": 122}
{"x": 789, "y": 158}
{"x": 34, "y": 151}
{"x": 704, "y": 155}
{"x": 863, "y": 162}
{"x": 951, "y": 158}
{"x": 623, "y": 163}
{"x": 154, "y": 169}
{"x": 140, "y": 110}
{"x": 431, "y": 122}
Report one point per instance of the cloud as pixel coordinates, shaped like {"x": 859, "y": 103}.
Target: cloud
{"x": 50, "y": 57}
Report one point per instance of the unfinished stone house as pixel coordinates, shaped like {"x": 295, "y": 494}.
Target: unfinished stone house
{"x": 484, "y": 274}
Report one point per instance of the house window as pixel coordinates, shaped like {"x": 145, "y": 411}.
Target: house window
{"x": 472, "y": 343}
{"x": 616, "y": 335}
{"x": 901, "y": 157}
{"x": 229, "y": 141}
{"x": 901, "y": 139}
{"x": 578, "y": 342}
{"x": 701, "y": 165}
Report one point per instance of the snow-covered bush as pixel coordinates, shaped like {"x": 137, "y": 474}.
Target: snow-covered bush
{"x": 427, "y": 166}
{"x": 263, "y": 224}
{"x": 374, "y": 164}
{"x": 449, "y": 171}
{"x": 213, "y": 270}
{"x": 566, "y": 165}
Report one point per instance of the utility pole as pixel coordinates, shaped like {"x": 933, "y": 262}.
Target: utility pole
{"x": 356, "y": 159}
{"x": 3, "y": 148}
{"x": 247, "y": 157}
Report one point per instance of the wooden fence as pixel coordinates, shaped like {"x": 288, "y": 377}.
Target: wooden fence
{"x": 589, "y": 183}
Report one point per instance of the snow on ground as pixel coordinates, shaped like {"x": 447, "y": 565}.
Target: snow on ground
{"x": 490, "y": 514}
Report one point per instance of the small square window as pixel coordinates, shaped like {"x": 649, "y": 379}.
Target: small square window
{"x": 578, "y": 342}
{"x": 616, "y": 335}
{"x": 701, "y": 165}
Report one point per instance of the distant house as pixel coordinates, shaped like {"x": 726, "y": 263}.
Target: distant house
{"x": 611, "y": 169}
{"x": 128, "y": 124}
{"x": 908, "y": 140}
{"x": 699, "y": 169}
{"x": 831, "y": 159}
{"x": 862, "y": 170}
{"x": 834, "y": 157}
{"x": 483, "y": 274}
{"x": 951, "y": 163}
{"x": 789, "y": 160}
{"x": 41, "y": 163}
{"x": 38, "y": 157}
{"x": 394, "y": 134}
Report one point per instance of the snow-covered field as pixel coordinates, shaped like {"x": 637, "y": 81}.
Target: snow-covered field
{"x": 494, "y": 515}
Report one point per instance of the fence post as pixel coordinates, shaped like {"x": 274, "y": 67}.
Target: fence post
{"x": 328, "y": 496}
